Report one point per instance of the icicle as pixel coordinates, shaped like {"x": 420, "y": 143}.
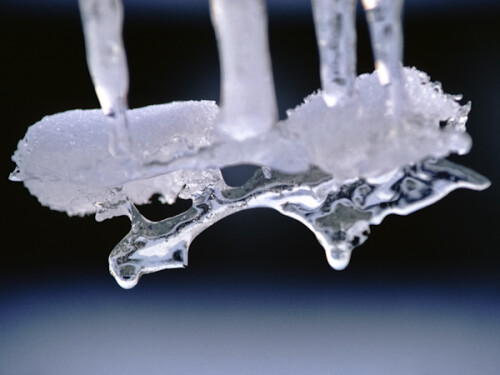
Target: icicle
{"x": 334, "y": 22}
{"x": 384, "y": 22}
{"x": 102, "y": 24}
{"x": 248, "y": 99}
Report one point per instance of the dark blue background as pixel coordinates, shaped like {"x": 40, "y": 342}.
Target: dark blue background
{"x": 422, "y": 295}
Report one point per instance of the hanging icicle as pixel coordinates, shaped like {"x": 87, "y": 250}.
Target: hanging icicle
{"x": 102, "y": 25}
{"x": 335, "y": 23}
{"x": 360, "y": 149}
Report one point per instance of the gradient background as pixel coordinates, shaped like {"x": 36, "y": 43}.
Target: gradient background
{"x": 421, "y": 296}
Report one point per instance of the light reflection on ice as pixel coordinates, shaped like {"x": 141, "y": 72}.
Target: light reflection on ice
{"x": 340, "y": 217}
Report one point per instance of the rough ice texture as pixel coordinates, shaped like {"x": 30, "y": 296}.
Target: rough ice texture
{"x": 358, "y": 138}
{"x": 64, "y": 158}
{"x": 65, "y": 162}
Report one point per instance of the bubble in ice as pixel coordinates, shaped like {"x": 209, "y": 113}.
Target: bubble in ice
{"x": 359, "y": 149}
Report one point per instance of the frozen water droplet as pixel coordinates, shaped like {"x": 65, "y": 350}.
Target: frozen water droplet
{"x": 338, "y": 259}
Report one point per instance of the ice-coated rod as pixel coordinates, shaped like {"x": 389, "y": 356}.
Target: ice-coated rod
{"x": 248, "y": 101}
{"x": 334, "y": 21}
{"x": 102, "y": 27}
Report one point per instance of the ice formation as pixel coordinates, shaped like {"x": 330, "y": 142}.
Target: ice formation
{"x": 102, "y": 21}
{"x": 357, "y": 150}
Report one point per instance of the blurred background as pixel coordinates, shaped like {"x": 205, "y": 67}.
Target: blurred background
{"x": 421, "y": 296}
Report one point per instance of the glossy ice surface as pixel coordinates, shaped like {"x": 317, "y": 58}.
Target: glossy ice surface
{"x": 340, "y": 217}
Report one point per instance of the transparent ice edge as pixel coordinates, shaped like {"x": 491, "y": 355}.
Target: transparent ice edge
{"x": 339, "y": 216}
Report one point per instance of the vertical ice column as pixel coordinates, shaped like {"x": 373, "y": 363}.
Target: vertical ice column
{"x": 384, "y": 22}
{"x": 248, "y": 102}
{"x": 334, "y": 21}
{"x": 102, "y": 25}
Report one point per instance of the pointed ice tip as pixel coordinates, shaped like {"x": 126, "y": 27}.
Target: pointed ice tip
{"x": 15, "y": 175}
{"x": 479, "y": 181}
{"x": 127, "y": 276}
{"x": 483, "y": 184}
{"x": 338, "y": 259}
{"x": 475, "y": 181}
{"x": 127, "y": 284}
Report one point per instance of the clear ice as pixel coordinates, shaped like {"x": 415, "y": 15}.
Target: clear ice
{"x": 340, "y": 217}
{"x": 352, "y": 153}
{"x": 248, "y": 102}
